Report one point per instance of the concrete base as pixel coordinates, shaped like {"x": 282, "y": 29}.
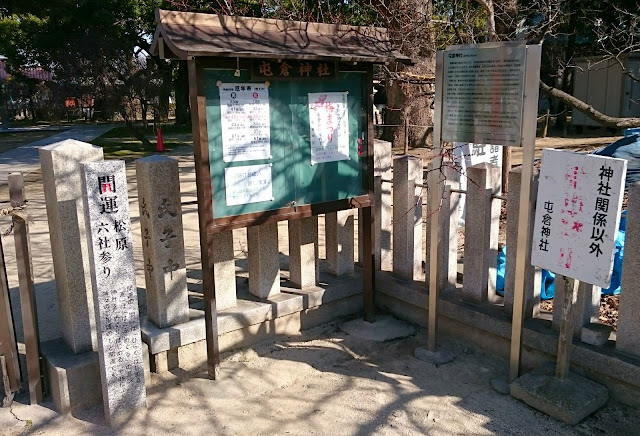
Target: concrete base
{"x": 569, "y": 400}
{"x": 253, "y": 319}
{"x": 595, "y": 334}
{"x": 74, "y": 379}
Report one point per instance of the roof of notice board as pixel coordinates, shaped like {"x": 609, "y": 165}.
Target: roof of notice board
{"x": 185, "y": 35}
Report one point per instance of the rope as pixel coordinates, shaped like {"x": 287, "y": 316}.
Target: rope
{"x": 10, "y": 211}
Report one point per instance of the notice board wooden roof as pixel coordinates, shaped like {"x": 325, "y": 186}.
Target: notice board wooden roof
{"x": 187, "y": 34}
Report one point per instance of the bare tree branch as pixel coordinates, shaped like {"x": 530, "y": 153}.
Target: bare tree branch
{"x": 588, "y": 110}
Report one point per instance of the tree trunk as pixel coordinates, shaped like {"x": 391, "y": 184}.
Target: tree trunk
{"x": 183, "y": 116}
{"x": 137, "y": 133}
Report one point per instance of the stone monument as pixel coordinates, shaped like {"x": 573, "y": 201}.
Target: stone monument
{"x": 108, "y": 225}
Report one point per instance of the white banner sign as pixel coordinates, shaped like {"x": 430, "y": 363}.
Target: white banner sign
{"x": 578, "y": 214}
{"x": 244, "y": 111}
{"x": 248, "y": 184}
{"x": 329, "y": 125}
{"x": 467, "y": 155}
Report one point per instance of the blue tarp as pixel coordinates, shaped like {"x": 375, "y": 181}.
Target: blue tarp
{"x": 546, "y": 291}
{"x": 626, "y": 148}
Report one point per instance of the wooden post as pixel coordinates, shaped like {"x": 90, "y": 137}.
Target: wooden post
{"x": 529, "y": 121}
{"x": 8, "y": 343}
{"x": 205, "y": 211}
{"x": 368, "y": 217}
{"x": 16, "y": 190}
{"x": 565, "y": 337}
{"x": 433, "y": 211}
{"x": 546, "y": 123}
{"x": 28, "y": 306}
{"x": 406, "y": 135}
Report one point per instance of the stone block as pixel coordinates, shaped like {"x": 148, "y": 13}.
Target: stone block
{"x": 569, "y": 400}
{"x": 407, "y": 218}
{"x": 481, "y": 234}
{"x": 628, "y": 335}
{"x": 595, "y": 334}
{"x": 162, "y": 240}
{"x": 304, "y": 268}
{"x": 533, "y": 275}
{"x": 264, "y": 261}
{"x": 16, "y": 189}
{"x": 108, "y": 223}
{"x": 74, "y": 379}
{"x": 339, "y": 227}
{"x": 60, "y": 164}
{"x": 384, "y": 223}
{"x": 224, "y": 270}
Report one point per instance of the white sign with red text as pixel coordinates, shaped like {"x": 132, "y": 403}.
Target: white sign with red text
{"x": 578, "y": 214}
{"x": 329, "y": 126}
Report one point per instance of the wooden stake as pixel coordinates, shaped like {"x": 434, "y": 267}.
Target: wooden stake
{"x": 565, "y": 338}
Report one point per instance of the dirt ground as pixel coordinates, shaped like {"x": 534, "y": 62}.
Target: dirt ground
{"x": 326, "y": 382}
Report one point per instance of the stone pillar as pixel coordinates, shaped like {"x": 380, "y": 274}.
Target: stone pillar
{"x": 449, "y": 178}
{"x": 16, "y": 189}
{"x": 481, "y": 234}
{"x": 339, "y": 242}
{"x": 383, "y": 213}
{"x": 115, "y": 296}
{"x": 628, "y": 335}
{"x": 407, "y": 218}
{"x": 303, "y": 252}
{"x": 264, "y": 260}
{"x": 585, "y": 311}
{"x": 60, "y": 164}
{"x": 162, "y": 240}
{"x": 533, "y": 275}
{"x": 224, "y": 270}
{"x": 449, "y": 221}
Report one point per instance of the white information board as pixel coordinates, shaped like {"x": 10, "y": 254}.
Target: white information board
{"x": 578, "y": 214}
{"x": 483, "y": 94}
{"x": 467, "y": 155}
{"x": 248, "y": 184}
{"x": 329, "y": 126}
{"x": 246, "y": 129}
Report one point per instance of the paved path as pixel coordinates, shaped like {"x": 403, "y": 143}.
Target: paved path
{"x": 25, "y": 159}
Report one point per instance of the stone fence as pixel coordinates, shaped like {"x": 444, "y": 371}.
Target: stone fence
{"x": 270, "y": 293}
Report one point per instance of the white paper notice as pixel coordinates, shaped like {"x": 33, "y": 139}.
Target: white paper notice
{"x": 244, "y": 111}
{"x": 248, "y": 184}
{"x": 577, "y": 215}
{"x": 329, "y": 125}
{"x": 466, "y": 155}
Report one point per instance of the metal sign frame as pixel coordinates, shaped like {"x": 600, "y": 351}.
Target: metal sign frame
{"x": 528, "y": 136}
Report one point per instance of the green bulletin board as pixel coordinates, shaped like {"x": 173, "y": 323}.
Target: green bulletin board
{"x": 294, "y": 179}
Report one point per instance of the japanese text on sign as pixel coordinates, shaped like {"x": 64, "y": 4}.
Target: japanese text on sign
{"x": 483, "y": 94}
{"x": 577, "y": 215}
{"x": 291, "y": 69}
{"x": 329, "y": 126}
{"x": 248, "y": 184}
{"x": 467, "y": 155}
{"x": 246, "y": 128}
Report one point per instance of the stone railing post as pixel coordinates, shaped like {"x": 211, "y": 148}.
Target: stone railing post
{"x": 407, "y": 218}
{"x": 628, "y": 335}
{"x": 481, "y": 234}
{"x": 338, "y": 231}
{"x": 264, "y": 260}
{"x": 224, "y": 270}
{"x": 533, "y": 274}
{"x": 303, "y": 252}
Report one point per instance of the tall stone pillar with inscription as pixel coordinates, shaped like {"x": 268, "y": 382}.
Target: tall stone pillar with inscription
{"x": 108, "y": 225}
{"x": 60, "y": 164}
{"x": 162, "y": 240}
